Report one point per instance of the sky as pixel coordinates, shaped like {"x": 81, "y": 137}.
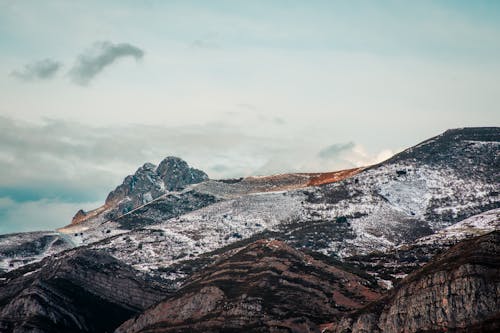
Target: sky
{"x": 91, "y": 90}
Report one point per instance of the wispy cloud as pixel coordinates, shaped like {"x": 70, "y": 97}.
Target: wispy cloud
{"x": 42, "y": 70}
{"x": 63, "y": 166}
{"x": 99, "y": 56}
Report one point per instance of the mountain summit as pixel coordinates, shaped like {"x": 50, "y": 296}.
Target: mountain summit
{"x": 146, "y": 184}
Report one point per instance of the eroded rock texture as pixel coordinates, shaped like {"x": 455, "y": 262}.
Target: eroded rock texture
{"x": 457, "y": 291}
{"x": 76, "y": 291}
{"x": 265, "y": 286}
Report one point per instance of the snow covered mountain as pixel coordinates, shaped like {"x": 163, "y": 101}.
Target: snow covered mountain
{"x": 169, "y": 223}
{"x": 416, "y": 193}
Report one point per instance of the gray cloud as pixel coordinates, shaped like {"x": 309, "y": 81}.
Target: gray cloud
{"x": 99, "y": 56}
{"x": 335, "y": 150}
{"x": 55, "y": 167}
{"x": 42, "y": 70}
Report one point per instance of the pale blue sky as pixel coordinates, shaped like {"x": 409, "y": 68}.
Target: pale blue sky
{"x": 90, "y": 90}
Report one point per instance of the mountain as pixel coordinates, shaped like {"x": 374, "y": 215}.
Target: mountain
{"x": 392, "y": 265}
{"x": 458, "y": 291}
{"x": 264, "y": 286}
{"x": 414, "y": 194}
{"x": 422, "y": 190}
{"x": 147, "y": 183}
{"x": 75, "y": 291}
{"x": 19, "y": 249}
{"x": 193, "y": 247}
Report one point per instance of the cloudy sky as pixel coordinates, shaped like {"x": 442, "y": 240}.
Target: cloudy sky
{"x": 90, "y": 90}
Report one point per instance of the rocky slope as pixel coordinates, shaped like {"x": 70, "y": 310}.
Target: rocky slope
{"x": 413, "y": 195}
{"x": 147, "y": 183}
{"x": 205, "y": 241}
{"x": 75, "y": 291}
{"x": 390, "y": 266}
{"x": 264, "y": 286}
{"x": 22, "y": 248}
{"x": 458, "y": 291}
{"x": 416, "y": 193}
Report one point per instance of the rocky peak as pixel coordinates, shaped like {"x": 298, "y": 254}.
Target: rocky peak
{"x": 146, "y": 184}
{"x": 176, "y": 173}
{"x": 149, "y": 181}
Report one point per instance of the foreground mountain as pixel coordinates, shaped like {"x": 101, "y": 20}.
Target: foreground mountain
{"x": 262, "y": 287}
{"x": 75, "y": 291}
{"x": 458, "y": 291}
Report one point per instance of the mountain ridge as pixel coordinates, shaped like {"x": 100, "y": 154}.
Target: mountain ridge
{"x": 381, "y": 224}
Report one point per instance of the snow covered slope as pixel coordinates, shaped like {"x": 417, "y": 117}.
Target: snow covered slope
{"x": 22, "y": 248}
{"x": 473, "y": 226}
{"x": 416, "y": 193}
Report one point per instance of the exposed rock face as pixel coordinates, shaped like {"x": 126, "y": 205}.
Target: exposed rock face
{"x": 146, "y": 184}
{"x": 457, "y": 291}
{"x": 149, "y": 182}
{"x": 175, "y": 174}
{"x": 265, "y": 286}
{"x": 75, "y": 291}
{"x": 137, "y": 189}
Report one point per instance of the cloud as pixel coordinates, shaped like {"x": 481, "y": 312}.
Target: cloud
{"x": 335, "y": 150}
{"x": 99, "y": 56}
{"x": 42, "y": 70}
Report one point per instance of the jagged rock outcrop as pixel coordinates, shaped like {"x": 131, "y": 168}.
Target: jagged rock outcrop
{"x": 262, "y": 287}
{"x": 458, "y": 291}
{"x": 146, "y": 184}
{"x": 74, "y": 291}
{"x": 150, "y": 181}
{"x": 176, "y": 174}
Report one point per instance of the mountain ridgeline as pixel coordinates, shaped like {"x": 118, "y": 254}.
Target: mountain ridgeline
{"x": 408, "y": 245}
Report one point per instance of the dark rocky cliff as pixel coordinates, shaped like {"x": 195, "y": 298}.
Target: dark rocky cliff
{"x": 265, "y": 286}
{"x": 457, "y": 291}
{"x": 76, "y": 291}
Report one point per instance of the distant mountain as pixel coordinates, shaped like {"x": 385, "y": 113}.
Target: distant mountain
{"x": 147, "y": 183}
